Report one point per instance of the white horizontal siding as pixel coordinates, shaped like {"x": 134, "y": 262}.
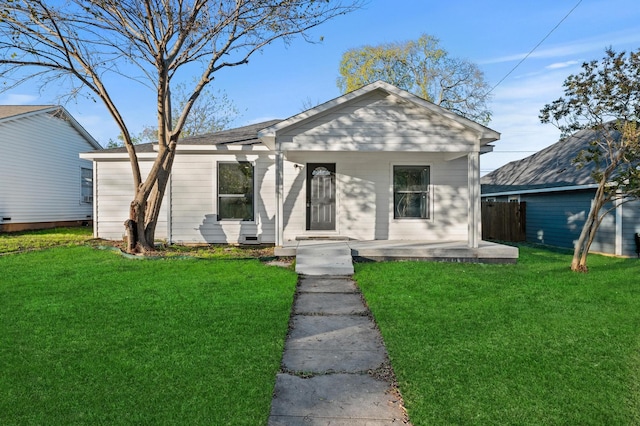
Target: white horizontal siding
{"x": 114, "y": 193}
{"x": 449, "y": 202}
{"x": 365, "y": 200}
{"x": 380, "y": 122}
{"x": 40, "y": 170}
{"x": 194, "y": 200}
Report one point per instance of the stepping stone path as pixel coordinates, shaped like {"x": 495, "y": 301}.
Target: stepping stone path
{"x": 335, "y": 366}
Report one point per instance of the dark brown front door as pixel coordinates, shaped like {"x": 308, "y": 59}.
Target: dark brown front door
{"x": 321, "y": 196}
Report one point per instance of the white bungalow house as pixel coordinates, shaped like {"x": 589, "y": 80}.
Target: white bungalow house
{"x": 43, "y": 182}
{"x": 378, "y": 163}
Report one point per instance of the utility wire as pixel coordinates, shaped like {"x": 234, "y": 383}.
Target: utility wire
{"x": 535, "y": 47}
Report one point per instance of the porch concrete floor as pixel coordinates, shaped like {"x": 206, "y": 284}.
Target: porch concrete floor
{"x": 377, "y": 250}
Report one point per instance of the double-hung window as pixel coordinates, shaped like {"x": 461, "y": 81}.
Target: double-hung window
{"x": 411, "y": 192}
{"x": 235, "y": 191}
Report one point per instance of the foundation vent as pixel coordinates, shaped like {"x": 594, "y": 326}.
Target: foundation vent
{"x": 249, "y": 239}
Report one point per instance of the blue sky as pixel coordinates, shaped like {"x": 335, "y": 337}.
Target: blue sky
{"x": 494, "y": 34}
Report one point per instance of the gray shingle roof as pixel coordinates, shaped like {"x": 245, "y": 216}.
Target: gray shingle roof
{"x": 245, "y": 135}
{"x": 11, "y": 110}
{"x": 549, "y": 168}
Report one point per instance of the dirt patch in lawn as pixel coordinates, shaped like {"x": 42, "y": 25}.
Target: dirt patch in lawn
{"x": 262, "y": 252}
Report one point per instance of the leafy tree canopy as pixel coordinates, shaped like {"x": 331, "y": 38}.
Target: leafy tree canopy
{"x": 605, "y": 98}
{"x": 424, "y": 68}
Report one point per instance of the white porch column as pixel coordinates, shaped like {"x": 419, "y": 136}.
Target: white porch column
{"x": 279, "y": 198}
{"x": 95, "y": 199}
{"x": 475, "y": 218}
{"x": 617, "y": 202}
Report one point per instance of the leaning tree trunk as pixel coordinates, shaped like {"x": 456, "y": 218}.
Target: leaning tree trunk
{"x": 579, "y": 261}
{"x": 155, "y": 199}
{"x": 588, "y": 233}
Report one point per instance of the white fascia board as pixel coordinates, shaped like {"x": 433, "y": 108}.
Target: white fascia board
{"x": 485, "y": 149}
{"x": 218, "y": 148}
{"x": 94, "y": 143}
{"x": 542, "y": 190}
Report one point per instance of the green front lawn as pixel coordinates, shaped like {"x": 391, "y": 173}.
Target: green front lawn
{"x": 531, "y": 343}
{"x": 89, "y": 337}
{"x": 43, "y": 238}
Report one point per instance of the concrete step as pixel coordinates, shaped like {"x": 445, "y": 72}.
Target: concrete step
{"x": 324, "y": 259}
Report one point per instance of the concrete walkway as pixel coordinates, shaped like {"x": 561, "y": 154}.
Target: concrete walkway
{"x": 335, "y": 369}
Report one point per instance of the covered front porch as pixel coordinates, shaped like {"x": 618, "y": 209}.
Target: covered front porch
{"x": 380, "y": 250}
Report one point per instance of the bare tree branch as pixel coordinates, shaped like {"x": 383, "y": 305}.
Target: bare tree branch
{"x": 92, "y": 44}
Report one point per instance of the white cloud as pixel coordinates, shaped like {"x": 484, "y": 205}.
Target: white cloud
{"x": 617, "y": 40}
{"x": 18, "y": 99}
{"x": 516, "y": 106}
{"x": 256, "y": 120}
{"x": 101, "y": 127}
{"x": 558, "y": 65}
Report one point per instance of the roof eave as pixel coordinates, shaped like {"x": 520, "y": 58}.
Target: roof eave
{"x": 53, "y": 109}
{"x": 485, "y": 134}
{"x": 82, "y": 130}
{"x": 218, "y": 148}
{"x": 44, "y": 108}
{"x": 541, "y": 190}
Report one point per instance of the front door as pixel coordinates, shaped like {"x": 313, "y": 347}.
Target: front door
{"x": 321, "y": 196}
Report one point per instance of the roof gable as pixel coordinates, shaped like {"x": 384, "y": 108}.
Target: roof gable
{"x": 382, "y": 90}
{"x": 15, "y": 112}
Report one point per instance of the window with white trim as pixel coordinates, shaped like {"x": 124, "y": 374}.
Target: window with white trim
{"x": 86, "y": 185}
{"x": 411, "y": 192}
{"x": 235, "y": 191}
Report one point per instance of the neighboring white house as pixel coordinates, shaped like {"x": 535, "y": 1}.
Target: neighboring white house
{"x": 375, "y": 164}
{"x": 43, "y": 182}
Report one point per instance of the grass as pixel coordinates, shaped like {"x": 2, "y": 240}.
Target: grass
{"x": 16, "y": 242}
{"x": 89, "y": 337}
{"x": 531, "y": 343}
{"x": 44, "y": 238}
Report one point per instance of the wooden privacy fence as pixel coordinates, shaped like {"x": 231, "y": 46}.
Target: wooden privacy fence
{"x": 504, "y": 221}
